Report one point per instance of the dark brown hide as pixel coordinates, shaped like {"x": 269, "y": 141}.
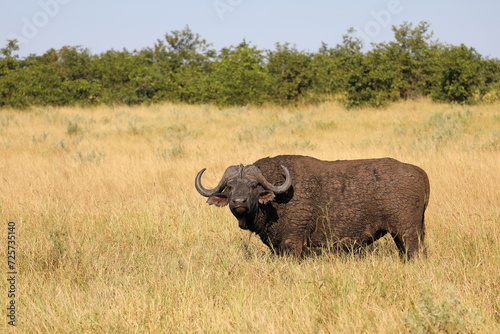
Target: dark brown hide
{"x": 344, "y": 204}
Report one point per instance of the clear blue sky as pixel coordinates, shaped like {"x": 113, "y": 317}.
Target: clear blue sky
{"x": 104, "y": 25}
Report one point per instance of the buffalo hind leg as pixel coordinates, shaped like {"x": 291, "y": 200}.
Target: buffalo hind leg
{"x": 408, "y": 247}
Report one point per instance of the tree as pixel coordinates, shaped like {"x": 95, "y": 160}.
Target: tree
{"x": 12, "y": 45}
{"x": 290, "y": 73}
{"x": 238, "y": 77}
{"x": 461, "y": 76}
{"x": 371, "y": 82}
{"x": 414, "y": 58}
{"x": 188, "y": 58}
{"x": 332, "y": 66}
{"x": 9, "y": 62}
{"x": 184, "y": 47}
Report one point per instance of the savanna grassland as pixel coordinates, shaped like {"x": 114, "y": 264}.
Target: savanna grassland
{"x": 113, "y": 237}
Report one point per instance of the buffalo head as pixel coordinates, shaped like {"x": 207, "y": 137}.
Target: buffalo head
{"x": 243, "y": 188}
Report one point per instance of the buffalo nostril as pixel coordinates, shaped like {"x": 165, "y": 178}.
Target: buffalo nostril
{"x": 239, "y": 200}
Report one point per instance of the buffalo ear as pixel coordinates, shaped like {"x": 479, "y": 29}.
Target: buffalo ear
{"x": 266, "y": 196}
{"x": 219, "y": 200}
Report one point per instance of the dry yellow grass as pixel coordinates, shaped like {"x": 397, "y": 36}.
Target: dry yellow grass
{"x": 113, "y": 237}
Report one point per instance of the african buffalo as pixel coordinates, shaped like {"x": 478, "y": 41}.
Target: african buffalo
{"x": 293, "y": 202}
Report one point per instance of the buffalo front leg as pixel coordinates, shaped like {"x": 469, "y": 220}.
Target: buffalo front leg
{"x": 296, "y": 238}
{"x": 292, "y": 244}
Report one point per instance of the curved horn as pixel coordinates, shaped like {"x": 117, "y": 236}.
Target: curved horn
{"x": 275, "y": 189}
{"x": 208, "y": 192}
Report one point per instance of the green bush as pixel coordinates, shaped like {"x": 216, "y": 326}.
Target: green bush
{"x": 371, "y": 82}
{"x": 289, "y": 74}
{"x": 183, "y": 67}
{"x": 461, "y": 78}
{"x": 238, "y": 77}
